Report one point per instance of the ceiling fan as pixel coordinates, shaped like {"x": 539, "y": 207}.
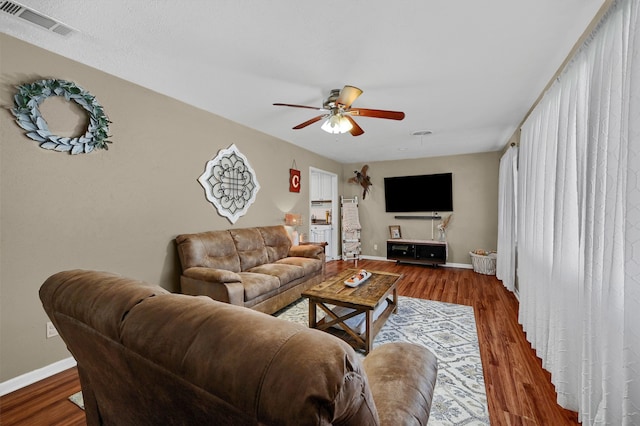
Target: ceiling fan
{"x": 339, "y": 113}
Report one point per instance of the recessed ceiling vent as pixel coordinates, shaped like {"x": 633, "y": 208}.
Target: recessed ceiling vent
{"x": 34, "y": 17}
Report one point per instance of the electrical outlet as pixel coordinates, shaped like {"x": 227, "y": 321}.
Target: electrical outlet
{"x": 375, "y": 247}
{"x": 51, "y": 330}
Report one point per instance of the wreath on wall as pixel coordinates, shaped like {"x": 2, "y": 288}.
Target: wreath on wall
{"x": 27, "y": 113}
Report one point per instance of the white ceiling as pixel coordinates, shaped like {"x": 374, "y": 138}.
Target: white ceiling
{"x": 467, "y": 70}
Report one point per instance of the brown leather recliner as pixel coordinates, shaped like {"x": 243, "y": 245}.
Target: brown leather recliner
{"x": 146, "y": 356}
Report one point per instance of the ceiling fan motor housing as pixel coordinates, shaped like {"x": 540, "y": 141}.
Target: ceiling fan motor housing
{"x": 330, "y": 102}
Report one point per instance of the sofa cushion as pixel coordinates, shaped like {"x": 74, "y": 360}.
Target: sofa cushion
{"x": 213, "y": 249}
{"x": 276, "y": 241}
{"x": 257, "y": 284}
{"x": 250, "y": 247}
{"x": 308, "y": 265}
{"x": 285, "y": 273}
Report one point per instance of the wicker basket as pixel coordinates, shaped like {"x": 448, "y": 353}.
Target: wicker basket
{"x": 483, "y": 264}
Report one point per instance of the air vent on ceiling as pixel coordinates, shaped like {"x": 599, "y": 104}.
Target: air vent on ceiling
{"x": 34, "y": 17}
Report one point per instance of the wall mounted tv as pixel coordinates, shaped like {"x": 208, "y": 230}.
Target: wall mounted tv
{"x": 422, "y": 193}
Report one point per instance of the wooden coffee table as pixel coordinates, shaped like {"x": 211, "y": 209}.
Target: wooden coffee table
{"x": 363, "y": 299}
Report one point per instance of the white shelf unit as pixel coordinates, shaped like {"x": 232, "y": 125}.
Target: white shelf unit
{"x": 351, "y": 244}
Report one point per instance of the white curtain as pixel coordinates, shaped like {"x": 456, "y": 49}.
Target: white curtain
{"x": 579, "y": 225}
{"x": 507, "y": 195}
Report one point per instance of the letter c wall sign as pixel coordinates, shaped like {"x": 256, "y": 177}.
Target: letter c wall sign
{"x": 294, "y": 180}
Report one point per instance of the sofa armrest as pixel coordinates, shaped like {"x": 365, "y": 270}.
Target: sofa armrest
{"x": 212, "y": 275}
{"x": 402, "y": 377}
{"x": 218, "y": 284}
{"x": 309, "y": 250}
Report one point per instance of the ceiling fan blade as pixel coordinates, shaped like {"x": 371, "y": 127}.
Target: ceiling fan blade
{"x": 376, "y": 113}
{"x": 308, "y": 122}
{"x": 300, "y": 106}
{"x": 347, "y": 95}
{"x": 355, "y": 130}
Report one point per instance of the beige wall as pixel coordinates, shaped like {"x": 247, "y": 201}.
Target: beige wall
{"x": 115, "y": 210}
{"x": 475, "y": 202}
{"x": 119, "y": 210}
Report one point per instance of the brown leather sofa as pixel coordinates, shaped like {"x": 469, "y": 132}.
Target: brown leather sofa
{"x": 148, "y": 357}
{"x": 256, "y": 268}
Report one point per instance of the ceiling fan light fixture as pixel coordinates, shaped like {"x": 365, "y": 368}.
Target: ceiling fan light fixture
{"x": 337, "y": 123}
{"x": 338, "y": 113}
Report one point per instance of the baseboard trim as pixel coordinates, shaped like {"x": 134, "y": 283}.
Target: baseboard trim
{"x": 376, "y": 258}
{"x": 445, "y": 265}
{"x": 31, "y": 377}
{"x": 458, "y": 265}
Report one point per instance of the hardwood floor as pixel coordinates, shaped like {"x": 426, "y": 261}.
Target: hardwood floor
{"x": 519, "y": 390}
{"x": 44, "y": 403}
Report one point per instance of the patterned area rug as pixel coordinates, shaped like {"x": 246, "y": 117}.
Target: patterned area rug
{"x": 449, "y": 331}
{"x": 77, "y": 399}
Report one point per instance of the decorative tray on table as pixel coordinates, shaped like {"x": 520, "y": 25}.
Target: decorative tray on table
{"x": 358, "y": 278}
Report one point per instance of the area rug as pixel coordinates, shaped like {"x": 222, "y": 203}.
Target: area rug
{"x": 449, "y": 331}
{"x": 77, "y": 399}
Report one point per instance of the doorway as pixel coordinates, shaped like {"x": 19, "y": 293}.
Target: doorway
{"x": 323, "y": 210}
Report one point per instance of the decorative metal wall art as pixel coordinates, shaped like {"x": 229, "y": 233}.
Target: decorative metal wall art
{"x": 230, "y": 184}
{"x": 27, "y": 113}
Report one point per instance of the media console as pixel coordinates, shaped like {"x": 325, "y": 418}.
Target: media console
{"x": 425, "y": 252}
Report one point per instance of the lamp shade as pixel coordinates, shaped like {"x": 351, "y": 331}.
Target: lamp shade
{"x": 292, "y": 219}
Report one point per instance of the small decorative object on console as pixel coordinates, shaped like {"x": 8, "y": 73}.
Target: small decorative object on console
{"x": 442, "y": 228}
{"x": 359, "y": 278}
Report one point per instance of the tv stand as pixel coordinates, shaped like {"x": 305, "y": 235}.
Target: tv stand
{"x": 424, "y": 252}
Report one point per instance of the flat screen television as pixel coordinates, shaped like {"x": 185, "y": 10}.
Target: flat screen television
{"x": 422, "y": 193}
